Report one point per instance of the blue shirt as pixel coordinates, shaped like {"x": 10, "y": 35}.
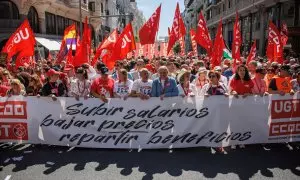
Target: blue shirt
{"x": 170, "y": 89}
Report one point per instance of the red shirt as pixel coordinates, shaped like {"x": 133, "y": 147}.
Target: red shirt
{"x": 103, "y": 87}
{"x": 3, "y": 90}
{"x": 241, "y": 87}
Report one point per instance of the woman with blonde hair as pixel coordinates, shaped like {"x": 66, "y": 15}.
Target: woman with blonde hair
{"x": 185, "y": 88}
{"x": 17, "y": 88}
{"x": 123, "y": 86}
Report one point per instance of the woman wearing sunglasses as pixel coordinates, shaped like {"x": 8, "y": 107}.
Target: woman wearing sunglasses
{"x": 80, "y": 86}
{"x": 215, "y": 87}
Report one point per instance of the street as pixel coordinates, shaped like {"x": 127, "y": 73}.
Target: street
{"x": 53, "y": 162}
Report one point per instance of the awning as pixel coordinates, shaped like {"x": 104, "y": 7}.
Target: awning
{"x": 50, "y": 44}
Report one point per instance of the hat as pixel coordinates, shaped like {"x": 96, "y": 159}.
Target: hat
{"x": 104, "y": 70}
{"x": 52, "y": 72}
{"x": 202, "y": 70}
{"x": 218, "y": 68}
{"x": 181, "y": 73}
{"x": 68, "y": 68}
{"x": 285, "y": 68}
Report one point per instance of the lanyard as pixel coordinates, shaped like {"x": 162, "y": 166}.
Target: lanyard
{"x": 258, "y": 86}
{"x": 186, "y": 90}
{"x": 81, "y": 92}
{"x": 165, "y": 85}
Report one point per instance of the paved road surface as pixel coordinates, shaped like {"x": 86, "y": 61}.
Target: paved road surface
{"x": 27, "y": 162}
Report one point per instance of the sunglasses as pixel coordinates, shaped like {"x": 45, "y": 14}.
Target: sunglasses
{"x": 212, "y": 76}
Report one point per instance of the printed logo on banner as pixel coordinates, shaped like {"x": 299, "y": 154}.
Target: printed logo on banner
{"x": 289, "y": 108}
{"x": 13, "y": 110}
{"x": 285, "y": 109}
{"x": 13, "y": 131}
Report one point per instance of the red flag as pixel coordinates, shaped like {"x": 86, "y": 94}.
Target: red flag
{"x": 252, "y": 53}
{"x": 178, "y": 29}
{"x": 70, "y": 58}
{"x": 23, "y": 59}
{"x": 124, "y": 45}
{"x": 194, "y": 43}
{"x": 275, "y": 48}
{"x": 284, "y": 34}
{"x": 202, "y": 35}
{"x": 22, "y": 41}
{"x": 218, "y": 47}
{"x": 148, "y": 32}
{"x": 237, "y": 40}
{"x": 82, "y": 52}
{"x": 108, "y": 43}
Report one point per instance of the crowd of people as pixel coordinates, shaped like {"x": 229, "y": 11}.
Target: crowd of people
{"x": 159, "y": 77}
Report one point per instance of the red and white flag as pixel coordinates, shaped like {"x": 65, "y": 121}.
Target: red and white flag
{"x": 284, "y": 34}
{"x": 252, "y": 53}
{"x": 22, "y": 41}
{"x": 237, "y": 41}
{"x": 202, "y": 35}
{"x": 178, "y": 29}
{"x": 274, "y": 48}
{"x": 108, "y": 44}
{"x": 194, "y": 43}
{"x": 149, "y": 30}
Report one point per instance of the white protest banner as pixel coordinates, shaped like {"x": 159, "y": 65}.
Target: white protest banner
{"x": 172, "y": 123}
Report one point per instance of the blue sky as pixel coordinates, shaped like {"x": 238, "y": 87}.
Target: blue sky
{"x": 167, "y": 12}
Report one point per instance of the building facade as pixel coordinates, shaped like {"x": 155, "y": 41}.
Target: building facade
{"x": 254, "y": 16}
{"x": 129, "y": 7}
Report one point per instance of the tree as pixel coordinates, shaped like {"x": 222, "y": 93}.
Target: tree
{"x": 176, "y": 48}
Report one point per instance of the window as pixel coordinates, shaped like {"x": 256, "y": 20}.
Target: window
{"x": 60, "y": 21}
{"x": 102, "y": 8}
{"x": 50, "y": 23}
{"x": 229, "y": 4}
{"x": 8, "y": 10}
{"x": 33, "y": 19}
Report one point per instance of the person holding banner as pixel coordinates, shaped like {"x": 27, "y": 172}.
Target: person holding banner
{"x": 136, "y": 72}
{"x": 17, "y": 88}
{"x": 164, "y": 86}
{"x": 185, "y": 88}
{"x": 142, "y": 87}
{"x": 215, "y": 87}
{"x": 281, "y": 84}
{"x": 241, "y": 84}
{"x": 201, "y": 81}
{"x": 118, "y": 66}
{"x": 103, "y": 86}
{"x": 296, "y": 82}
{"x": 260, "y": 86}
{"x": 54, "y": 87}
{"x": 80, "y": 86}
{"x": 123, "y": 86}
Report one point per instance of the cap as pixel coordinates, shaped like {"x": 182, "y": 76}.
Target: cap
{"x": 218, "y": 68}
{"x": 104, "y": 70}
{"x": 52, "y": 72}
{"x": 68, "y": 67}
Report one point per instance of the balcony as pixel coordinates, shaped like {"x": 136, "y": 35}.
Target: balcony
{"x": 9, "y": 25}
{"x": 242, "y": 6}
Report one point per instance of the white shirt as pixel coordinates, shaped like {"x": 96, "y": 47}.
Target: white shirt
{"x": 191, "y": 91}
{"x": 80, "y": 88}
{"x": 142, "y": 87}
{"x": 123, "y": 89}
